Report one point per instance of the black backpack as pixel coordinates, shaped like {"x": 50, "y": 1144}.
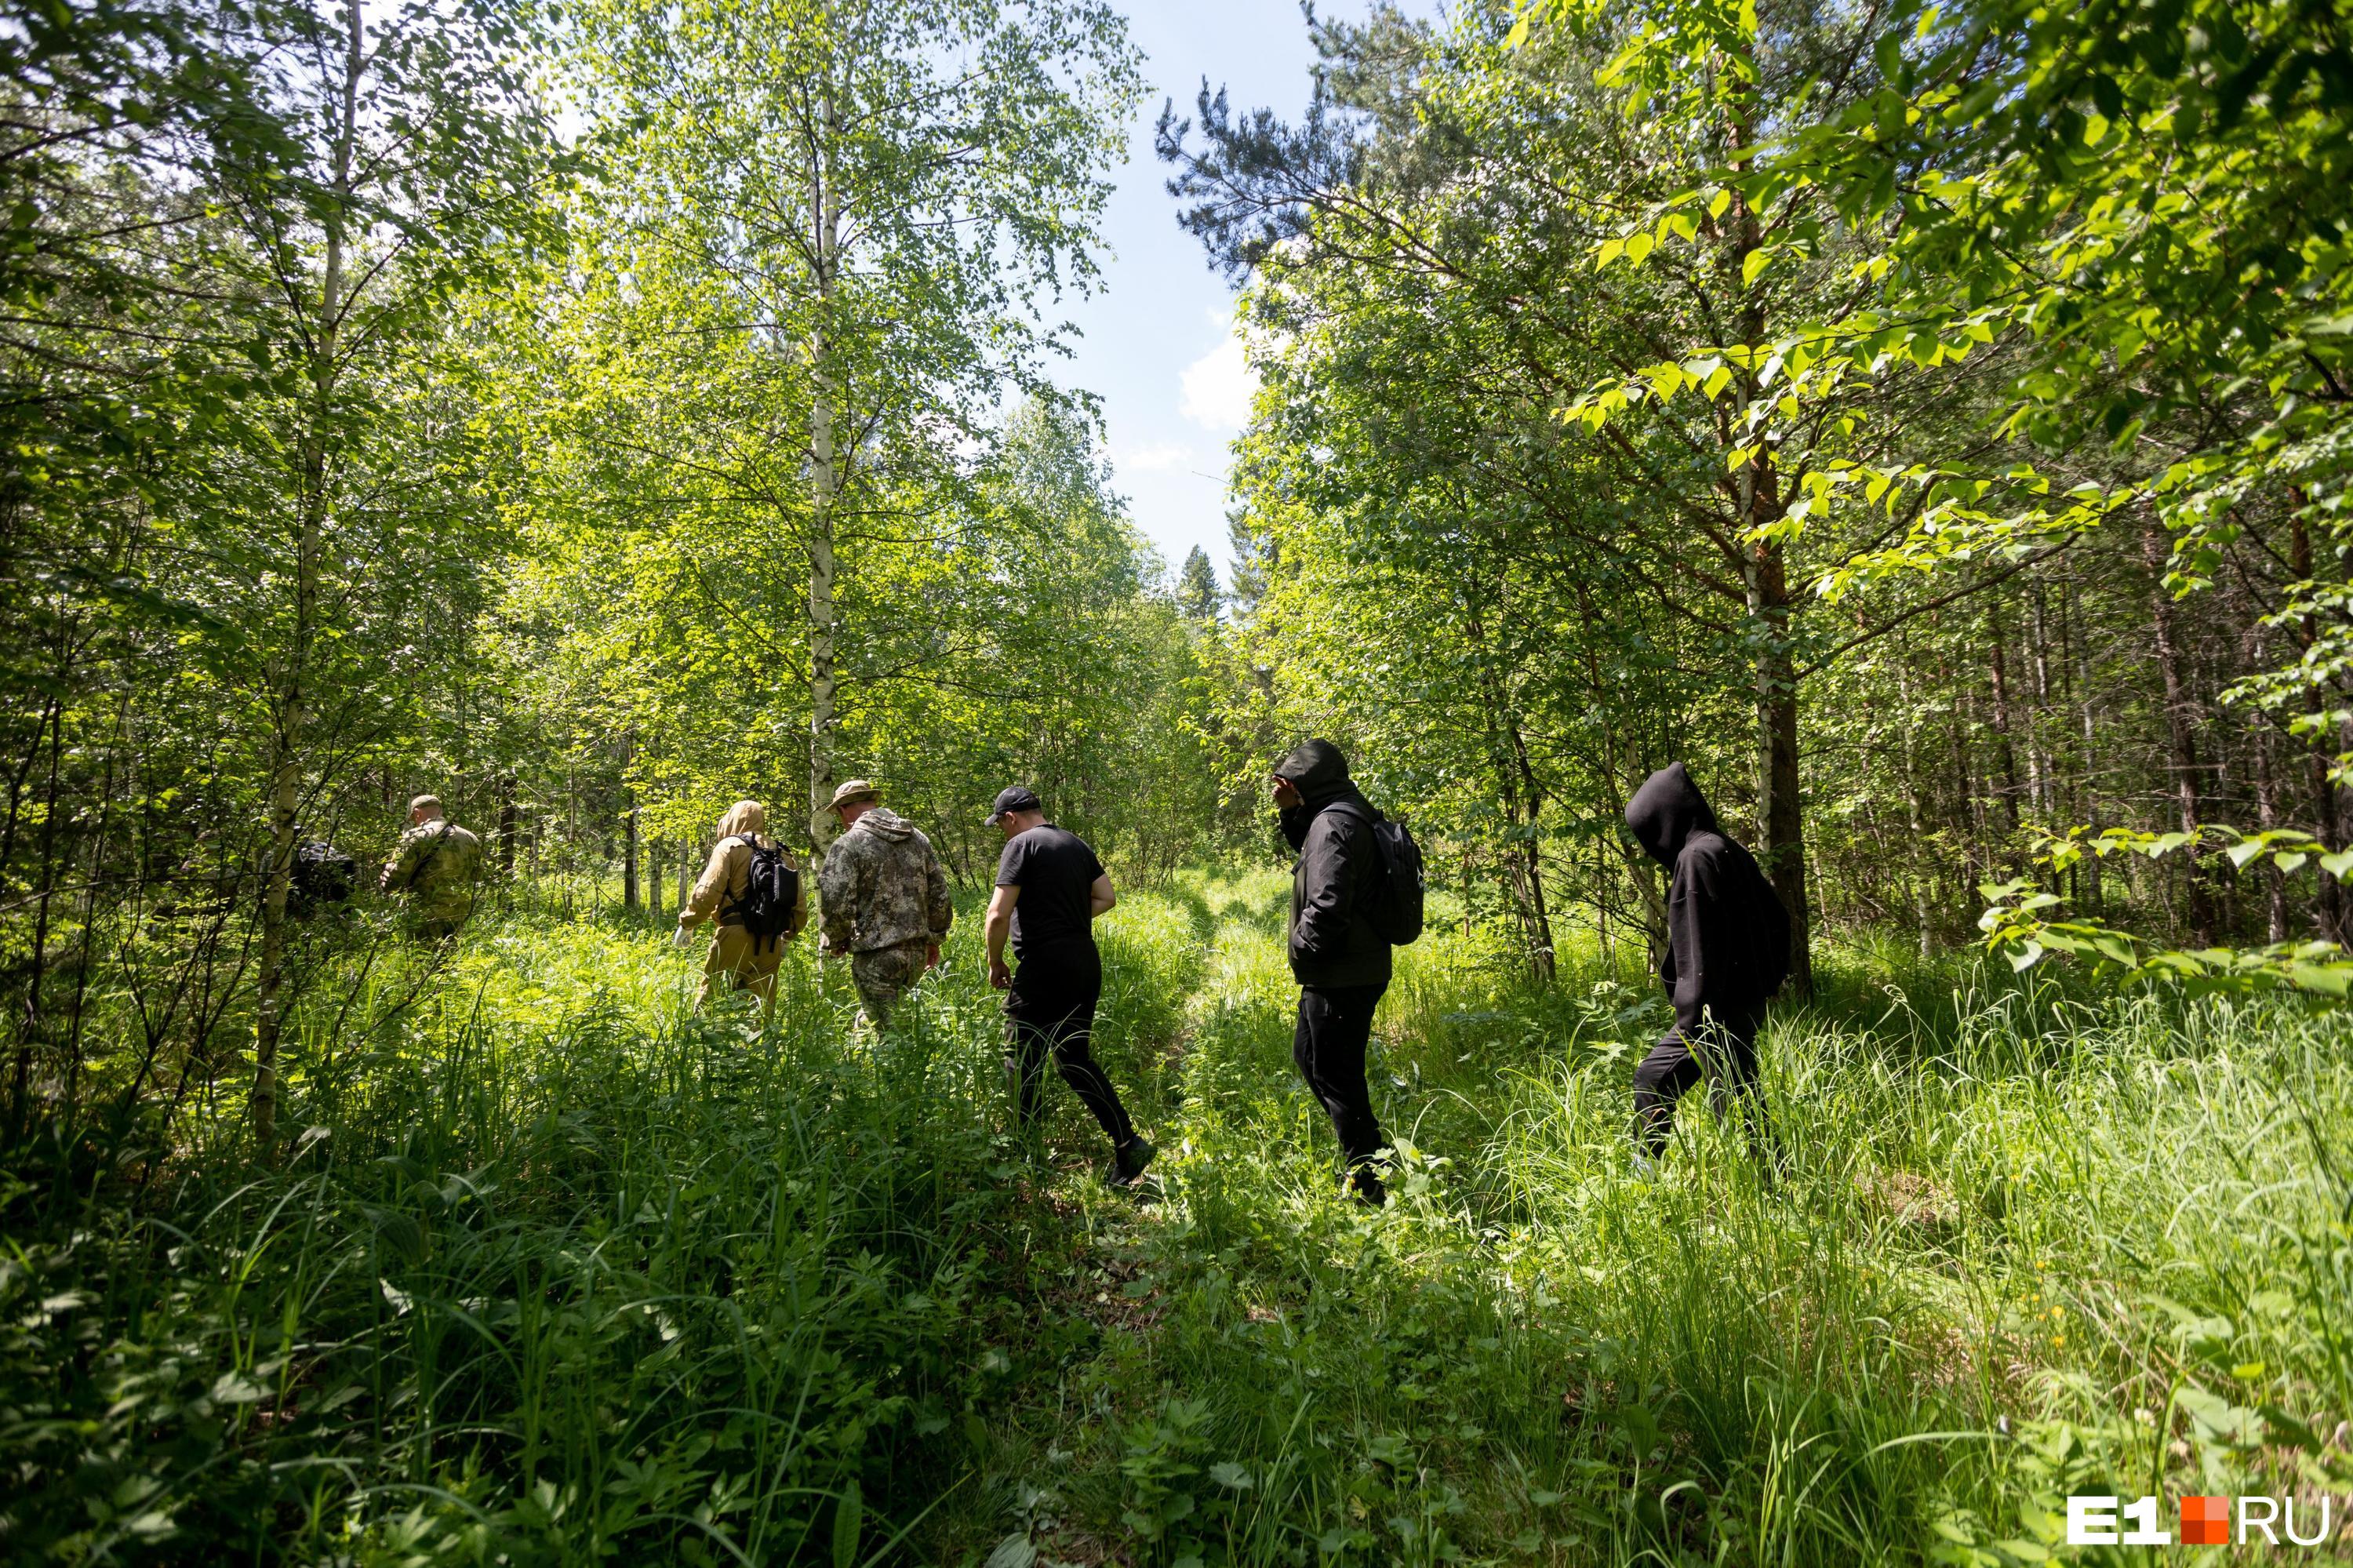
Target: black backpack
{"x": 1394, "y": 908}
{"x": 771, "y": 888}
{"x": 321, "y": 874}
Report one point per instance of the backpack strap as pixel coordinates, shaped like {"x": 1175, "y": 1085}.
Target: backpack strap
{"x": 731, "y": 901}
{"x": 1364, "y": 812}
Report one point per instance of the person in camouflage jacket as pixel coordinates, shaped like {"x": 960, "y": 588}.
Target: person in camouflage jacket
{"x": 884, "y": 898}
{"x": 436, "y": 866}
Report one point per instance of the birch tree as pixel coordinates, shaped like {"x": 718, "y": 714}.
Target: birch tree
{"x": 415, "y": 158}
{"x": 875, "y": 208}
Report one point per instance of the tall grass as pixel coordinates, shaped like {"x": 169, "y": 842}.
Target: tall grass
{"x": 2029, "y": 1243}
{"x": 553, "y": 1271}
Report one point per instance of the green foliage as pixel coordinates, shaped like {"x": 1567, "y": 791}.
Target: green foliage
{"x": 1811, "y": 396}
{"x": 2144, "y": 206}
{"x": 555, "y": 1270}
{"x": 559, "y": 1272}
{"x": 1968, "y": 1298}
{"x": 1930, "y": 424}
{"x": 1180, "y": 1505}
{"x": 2143, "y": 213}
{"x": 2016, "y": 923}
{"x": 830, "y": 242}
{"x": 780, "y": 526}
{"x": 1026, "y": 643}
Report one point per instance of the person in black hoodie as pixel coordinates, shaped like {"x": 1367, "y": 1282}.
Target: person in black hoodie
{"x": 1727, "y": 953}
{"x": 1341, "y": 964}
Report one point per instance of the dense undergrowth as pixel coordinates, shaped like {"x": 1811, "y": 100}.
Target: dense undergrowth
{"x": 556, "y": 1272}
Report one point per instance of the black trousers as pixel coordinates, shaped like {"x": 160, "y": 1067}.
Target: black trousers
{"x": 1050, "y": 1011}
{"x": 1334, "y": 1024}
{"x": 1724, "y": 1053}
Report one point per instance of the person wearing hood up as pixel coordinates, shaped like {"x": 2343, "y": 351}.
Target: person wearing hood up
{"x": 1727, "y": 953}
{"x": 1340, "y": 962}
{"x": 739, "y": 959}
{"x": 884, "y": 898}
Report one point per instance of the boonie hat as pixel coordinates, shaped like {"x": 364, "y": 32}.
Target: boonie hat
{"x": 1012, "y": 798}
{"x": 855, "y": 790}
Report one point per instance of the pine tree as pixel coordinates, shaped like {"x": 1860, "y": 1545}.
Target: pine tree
{"x": 1252, "y": 558}
{"x": 1198, "y": 594}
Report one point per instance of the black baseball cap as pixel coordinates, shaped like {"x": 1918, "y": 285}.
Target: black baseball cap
{"x": 1013, "y": 798}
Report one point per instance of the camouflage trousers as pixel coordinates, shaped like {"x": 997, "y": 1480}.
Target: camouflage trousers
{"x": 884, "y": 976}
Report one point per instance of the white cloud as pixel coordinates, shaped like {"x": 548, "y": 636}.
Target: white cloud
{"x": 1160, "y": 457}
{"x": 1220, "y": 384}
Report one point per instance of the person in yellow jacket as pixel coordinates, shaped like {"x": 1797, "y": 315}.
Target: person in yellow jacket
{"x": 737, "y": 957}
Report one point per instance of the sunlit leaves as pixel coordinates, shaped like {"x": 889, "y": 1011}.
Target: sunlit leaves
{"x": 2017, "y": 922}
{"x": 2016, "y": 928}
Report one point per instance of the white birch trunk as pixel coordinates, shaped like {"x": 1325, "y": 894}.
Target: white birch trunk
{"x": 825, "y": 490}
{"x": 288, "y": 735}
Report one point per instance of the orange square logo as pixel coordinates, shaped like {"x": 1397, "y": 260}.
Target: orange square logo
{"x": 2205, "y": 1521}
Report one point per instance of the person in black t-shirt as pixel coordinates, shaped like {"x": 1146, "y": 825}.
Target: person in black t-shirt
{"x": 1049, "y": 888}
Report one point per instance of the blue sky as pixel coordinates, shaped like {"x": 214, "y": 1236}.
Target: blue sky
{"x": 1155, "y": 346}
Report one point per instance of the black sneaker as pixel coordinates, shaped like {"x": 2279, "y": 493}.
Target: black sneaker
{"x": 1366, "y": 1188}
{"x": 1128, "y": 1160}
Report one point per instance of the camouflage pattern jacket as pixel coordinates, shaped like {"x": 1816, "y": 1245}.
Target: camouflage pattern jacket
{"x": 437, "y": 863}
{"x": 883, "y": 886}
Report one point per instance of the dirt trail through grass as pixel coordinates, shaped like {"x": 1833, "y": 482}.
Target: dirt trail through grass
{"x": 1940, "y": 1323}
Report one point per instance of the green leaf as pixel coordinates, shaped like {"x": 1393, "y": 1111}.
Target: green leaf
{"x": 1753, "y": 263}
{"x": 2116, "y": 948}
{"x": 1013, "y": 1552}
{"x": 849, "y": 1518}
{"x": 2328, "y": 979}
{"x": 2217, "y": 1420}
